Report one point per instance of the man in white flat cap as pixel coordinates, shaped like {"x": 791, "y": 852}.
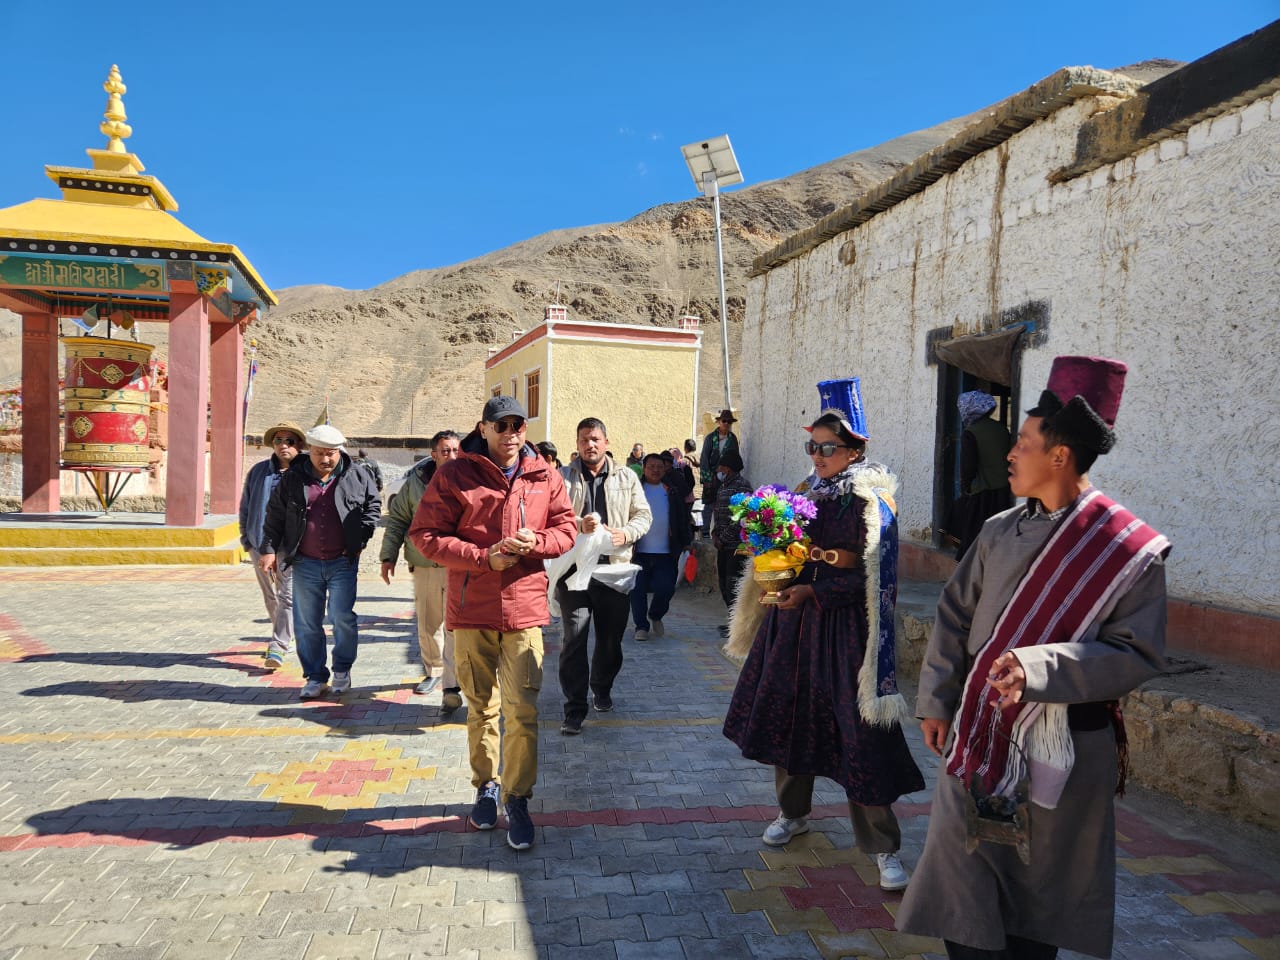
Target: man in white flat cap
{"x": 319, "y": 519}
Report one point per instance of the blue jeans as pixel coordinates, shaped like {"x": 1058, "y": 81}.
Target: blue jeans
{"x": 312, "y": 580}
{"x": 657, "y": 576}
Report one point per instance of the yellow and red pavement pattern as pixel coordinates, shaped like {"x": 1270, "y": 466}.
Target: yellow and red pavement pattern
{"x": 15, "y": 643}
{"x": 349, "y": 779}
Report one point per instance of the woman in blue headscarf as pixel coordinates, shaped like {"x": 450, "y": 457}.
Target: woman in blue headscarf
{"x": 984, "y": 472}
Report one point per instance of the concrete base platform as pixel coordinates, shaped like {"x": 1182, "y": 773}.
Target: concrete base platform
{"x": 85, "y": 539}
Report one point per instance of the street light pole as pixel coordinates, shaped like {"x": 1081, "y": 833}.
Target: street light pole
{"x": 712, "y": 188}
{"x": 712, "y": 165}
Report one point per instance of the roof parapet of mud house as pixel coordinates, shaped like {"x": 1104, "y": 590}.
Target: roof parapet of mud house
{"x": 1006, "y": 118}
{"x": 1229, "y": 77}
{"x": 1226, "y": 79}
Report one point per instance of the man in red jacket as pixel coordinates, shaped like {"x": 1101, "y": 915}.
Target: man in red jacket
{"x": 492, "y": 516}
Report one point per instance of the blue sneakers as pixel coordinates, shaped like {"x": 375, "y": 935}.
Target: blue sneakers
{"x": 484, "y": 814}
{"x": 519, "y": 824}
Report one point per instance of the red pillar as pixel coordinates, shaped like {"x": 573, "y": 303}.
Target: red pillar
{"x": 40, "y": 450}
{"x": 188, "y": 405}
{"x": 226, "y": 403}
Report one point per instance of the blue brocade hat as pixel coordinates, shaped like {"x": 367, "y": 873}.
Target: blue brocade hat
{"x": 844, "y": 398}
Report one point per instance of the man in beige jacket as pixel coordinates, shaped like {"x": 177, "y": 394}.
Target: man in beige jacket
{"x": 604, "y": 496}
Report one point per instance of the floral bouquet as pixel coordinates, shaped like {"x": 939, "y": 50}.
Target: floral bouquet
{"x": 771, "y": 522}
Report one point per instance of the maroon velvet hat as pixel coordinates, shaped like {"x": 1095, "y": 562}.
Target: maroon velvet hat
{"x": 1082, "y": 399}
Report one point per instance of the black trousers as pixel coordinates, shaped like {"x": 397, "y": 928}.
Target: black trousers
{"x": 729, "y": 565}
{"x": 578, "y": 673}
{"x": 1016, "y": 948}
{"x": 709, "y": 491}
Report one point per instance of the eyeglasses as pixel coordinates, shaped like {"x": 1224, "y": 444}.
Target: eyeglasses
{"x": 826, "y": 449}
{"x": 283, "y": 442}
{"x": 502, "y": 426}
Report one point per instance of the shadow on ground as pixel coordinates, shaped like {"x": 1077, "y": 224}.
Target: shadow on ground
{"x": 376, "y": 847}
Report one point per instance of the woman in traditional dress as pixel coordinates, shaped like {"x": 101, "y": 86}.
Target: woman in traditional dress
{"x": 817, "y": 696}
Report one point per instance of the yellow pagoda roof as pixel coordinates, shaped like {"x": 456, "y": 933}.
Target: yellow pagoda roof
{"x": 72, "y": 220}
{"x": 113, "y": 209}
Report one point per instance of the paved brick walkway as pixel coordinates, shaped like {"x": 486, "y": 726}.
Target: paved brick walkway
{"x": 163, "y": 796}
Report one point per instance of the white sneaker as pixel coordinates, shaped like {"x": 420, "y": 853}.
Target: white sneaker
{"x": 893, "y": 875}
{"x": 780, "y": 832}
{"x": 658, "y": 629}
{"x": 312, "y": 690}
{"x": 341, "y": 683}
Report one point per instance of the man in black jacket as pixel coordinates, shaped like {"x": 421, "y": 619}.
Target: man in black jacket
{"x": 658, "y": 550}
{"x": 319, "y": 519}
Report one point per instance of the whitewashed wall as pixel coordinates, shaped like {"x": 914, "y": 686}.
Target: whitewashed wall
{"x": 1168, "y": 260}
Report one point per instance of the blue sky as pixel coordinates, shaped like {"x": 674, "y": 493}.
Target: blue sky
{"x": 349, "y": 143}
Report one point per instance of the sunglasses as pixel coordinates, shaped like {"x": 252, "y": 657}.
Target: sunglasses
{"x": 502, "y": 426}
{"x": 283, "y": 442}
{"x": 826, "y": 449}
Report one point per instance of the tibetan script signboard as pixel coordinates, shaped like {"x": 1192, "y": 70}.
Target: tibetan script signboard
{"x": 48, "y": 272}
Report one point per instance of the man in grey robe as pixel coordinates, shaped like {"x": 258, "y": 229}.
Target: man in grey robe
{"x": 989, "y": 904}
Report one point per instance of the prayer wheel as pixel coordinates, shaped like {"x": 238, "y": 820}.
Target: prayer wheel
{"x": 108, "y": 403}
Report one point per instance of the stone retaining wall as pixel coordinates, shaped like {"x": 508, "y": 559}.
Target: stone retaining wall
{"x": 1207, "y": 756}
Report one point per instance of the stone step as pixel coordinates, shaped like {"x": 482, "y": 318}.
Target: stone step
{"x": 116, "y": 533}
{"x": 117, "y": 555}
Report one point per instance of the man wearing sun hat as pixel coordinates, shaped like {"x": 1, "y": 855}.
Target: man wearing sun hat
{"x": 319, "y": 519}
{"x": 1056, "y": 611}
{"x": 285, "y": 440}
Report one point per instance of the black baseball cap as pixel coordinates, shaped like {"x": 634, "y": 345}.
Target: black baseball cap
{"x": 498, "y": 407}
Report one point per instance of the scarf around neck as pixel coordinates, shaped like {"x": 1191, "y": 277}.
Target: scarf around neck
{"x": 1095, "y": 551}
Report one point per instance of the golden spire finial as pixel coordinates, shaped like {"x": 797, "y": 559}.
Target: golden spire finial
{"x": 114, "y": 126}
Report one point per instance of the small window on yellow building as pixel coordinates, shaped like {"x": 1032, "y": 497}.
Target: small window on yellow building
{"x": 514, "y": 391}
{"x": 531, "y": 391}
{"x": 496, "y": 391}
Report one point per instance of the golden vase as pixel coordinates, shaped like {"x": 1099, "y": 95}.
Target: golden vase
{"x": 774, "y": 571}
{"x": 772, "y": 582}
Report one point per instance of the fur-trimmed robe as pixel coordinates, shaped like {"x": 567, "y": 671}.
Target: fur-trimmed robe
{"x": 878, "y": 696}
{"x": 817, "y": 693}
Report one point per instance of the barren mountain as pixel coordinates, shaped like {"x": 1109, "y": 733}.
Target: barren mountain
{"x": 424, "y": 336}
{"x": 417, "y": 362}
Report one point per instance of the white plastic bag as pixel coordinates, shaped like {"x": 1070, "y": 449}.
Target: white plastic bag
{"x": 586, "y": 552}
{"x": 618, "y": 576}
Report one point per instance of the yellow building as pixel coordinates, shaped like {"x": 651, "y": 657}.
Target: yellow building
{"x": 641, "y": 381}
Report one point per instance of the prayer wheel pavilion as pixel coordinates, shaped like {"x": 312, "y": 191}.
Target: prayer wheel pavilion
{"x": 111, "y": 251}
